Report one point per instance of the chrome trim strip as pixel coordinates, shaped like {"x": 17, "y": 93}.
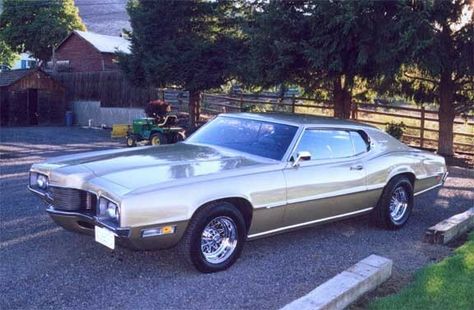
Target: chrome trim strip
{"x": 375, "y": 186}
{"x": 36, "y": 191}
{"x": 354, "y": 190}
{"x": 428, "y": 189}
{"x": 275, "y": 204}
{"x": 117, "y": 231}
{"x": 294, "y": 144}
{"x": 308, "y": 223}
{"x": 445, "y": 176}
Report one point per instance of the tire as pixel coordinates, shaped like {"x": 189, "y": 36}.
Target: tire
{"x": 179, "y": 136}
{"x": 131, "y": 141}
{"x": 193, "y": 247}
{"x": 158, "y": 139}
{"x": 395, "y": 205}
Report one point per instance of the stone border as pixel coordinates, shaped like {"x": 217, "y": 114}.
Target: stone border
{"x": 346, "y": 287}
{"x": 451, "y": 228}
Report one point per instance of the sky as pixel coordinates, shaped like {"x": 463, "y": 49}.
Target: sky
{"x": 104, "y": 16}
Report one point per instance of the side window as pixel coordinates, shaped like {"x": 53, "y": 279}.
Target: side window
{"x": 325, "y": 144}
{"x": 360, "y": 141}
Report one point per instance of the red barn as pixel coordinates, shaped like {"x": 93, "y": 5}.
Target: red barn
{"x": 30, "y": 97}
{"x": 88, "y": 52}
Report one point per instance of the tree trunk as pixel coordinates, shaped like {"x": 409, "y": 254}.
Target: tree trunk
{"x": 446, "y": 115}
{"x": 341, "y": 99}
{"x": 194, "y": 108}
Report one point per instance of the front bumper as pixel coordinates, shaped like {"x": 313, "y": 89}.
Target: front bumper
{"x": 129, "y": 237}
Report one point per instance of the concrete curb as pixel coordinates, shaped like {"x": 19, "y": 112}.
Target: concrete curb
{"x": 346, "y": 287}
{"x": 449, "y": 229}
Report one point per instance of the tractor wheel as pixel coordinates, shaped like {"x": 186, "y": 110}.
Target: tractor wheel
{"x": 131, "y": 141}
{"x": 157, "y": 139}
{"x": 179, "y": 136}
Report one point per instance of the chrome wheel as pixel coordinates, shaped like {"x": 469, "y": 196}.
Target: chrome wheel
{"x": 219, "y": 240}
{"x": 398, "y": 204}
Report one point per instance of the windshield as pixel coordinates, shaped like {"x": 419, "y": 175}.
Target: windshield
{"x": 266, "y": 139}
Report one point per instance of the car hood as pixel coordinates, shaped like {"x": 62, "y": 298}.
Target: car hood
{"x": 146, "y": 166}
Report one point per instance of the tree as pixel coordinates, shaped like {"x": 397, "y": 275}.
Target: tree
{"x": 38, "y": 26}
{"x": 188, "y": 44}
{"x": 442, "y": 60}
{"x": 325, "y": 44}
{"x": 7, "y": 56}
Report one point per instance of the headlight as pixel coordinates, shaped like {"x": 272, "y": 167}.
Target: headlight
{"x": 108, "y": 209}
{"x": 42, "y": 181}
{"x": 39, "y": 181}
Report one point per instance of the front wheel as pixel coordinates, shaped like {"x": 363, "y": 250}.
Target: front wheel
{"x": 131, "y": 141}
{"x": 157, "y": 139}
{"x": 394, "y": 207}
{"x": 214, "y": 238}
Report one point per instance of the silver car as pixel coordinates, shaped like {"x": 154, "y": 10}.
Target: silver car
{"x": 240, "y": 177}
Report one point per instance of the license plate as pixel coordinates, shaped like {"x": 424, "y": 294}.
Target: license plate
{"x": 105, "y": 237}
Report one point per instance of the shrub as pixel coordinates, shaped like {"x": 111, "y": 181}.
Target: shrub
{"x": 395, "y": 129}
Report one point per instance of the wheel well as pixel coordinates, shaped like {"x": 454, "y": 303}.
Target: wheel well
{"x": 155, "y": 131}
{"x": 411, "y": 177}
{"x": 242, "y": 204}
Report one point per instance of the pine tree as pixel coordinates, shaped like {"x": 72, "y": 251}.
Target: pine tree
{"x": 443, "y": 57}
{"x": 324, "y": 44}
{"x": 187, "y": 44}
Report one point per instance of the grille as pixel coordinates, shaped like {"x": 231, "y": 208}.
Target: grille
{"x": 70, "y": 199}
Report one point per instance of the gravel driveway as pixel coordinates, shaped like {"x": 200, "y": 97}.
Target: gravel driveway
{"x": 44, "y": 266}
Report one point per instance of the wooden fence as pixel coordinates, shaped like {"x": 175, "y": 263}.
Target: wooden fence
{"x": 421, "y": 124}
{"x": 112, "y": 89}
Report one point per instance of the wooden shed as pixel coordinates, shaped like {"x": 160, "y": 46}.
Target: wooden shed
{"x": 30, "y": 97}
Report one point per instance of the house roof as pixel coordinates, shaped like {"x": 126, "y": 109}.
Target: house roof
{"x": 8, "y": 78}
{"x": 104, "y": 43}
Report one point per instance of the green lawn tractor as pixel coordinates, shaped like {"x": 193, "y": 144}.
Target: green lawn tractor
{"x": 149, "y": 131}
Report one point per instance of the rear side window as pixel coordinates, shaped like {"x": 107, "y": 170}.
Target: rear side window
{"x": 360, "y": 141}
{"x": 325, "y": 144}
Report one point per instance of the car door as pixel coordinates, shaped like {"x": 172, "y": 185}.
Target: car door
{"x": 329, "y": 185}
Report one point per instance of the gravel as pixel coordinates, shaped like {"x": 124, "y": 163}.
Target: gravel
{"x": 44, "y": 266}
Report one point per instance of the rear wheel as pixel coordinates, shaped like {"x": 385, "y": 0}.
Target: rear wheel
{"x": 179, "y": 136}
{"x": 394, "y": 207}
{"x": 214, "y": 238}
{"x": 157, "y": 139}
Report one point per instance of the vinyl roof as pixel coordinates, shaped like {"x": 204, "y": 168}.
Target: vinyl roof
{"x": 298, "y": 119}
{"x": 104, "y": 43}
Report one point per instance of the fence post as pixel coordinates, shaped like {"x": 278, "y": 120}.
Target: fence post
{"x": 354, "y": 111}
{"x": 293, "y": 101}
{"x": 422, "y": 126}
{"x": 241, "y": 103}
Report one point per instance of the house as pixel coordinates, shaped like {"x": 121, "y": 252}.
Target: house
{"x": 88, "y": 52}
{"x": 30, "y": 97}
{"x": 25, "y": 61}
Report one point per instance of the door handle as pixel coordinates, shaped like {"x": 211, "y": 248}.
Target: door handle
{"x": 357, "y": 167}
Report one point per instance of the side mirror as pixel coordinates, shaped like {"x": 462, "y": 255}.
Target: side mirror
{"x": 301, "y": 156}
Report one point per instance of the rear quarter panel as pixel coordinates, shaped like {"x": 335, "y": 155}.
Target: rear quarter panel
{"x": 393, "y": 158}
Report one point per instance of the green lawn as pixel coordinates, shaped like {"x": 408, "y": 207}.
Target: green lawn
{"x": 448, "y": 284}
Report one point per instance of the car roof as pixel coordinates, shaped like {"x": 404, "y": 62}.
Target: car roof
{"x": 296, "y": 119}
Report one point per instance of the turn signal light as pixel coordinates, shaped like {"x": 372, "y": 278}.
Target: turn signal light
{"x": 158, "y": 231}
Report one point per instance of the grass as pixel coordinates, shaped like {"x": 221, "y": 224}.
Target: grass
{"x": 446, "y": 285}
